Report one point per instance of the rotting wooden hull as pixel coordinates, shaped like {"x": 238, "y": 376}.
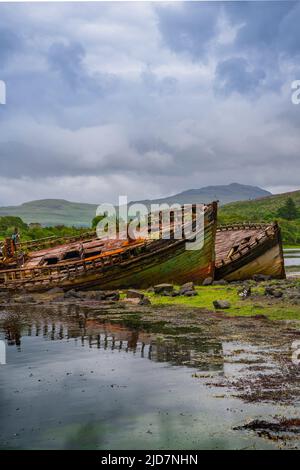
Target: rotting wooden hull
{"x": 33, "y": 247}
{"x": 140, "y": 265}
{"x": 263, "y": 254}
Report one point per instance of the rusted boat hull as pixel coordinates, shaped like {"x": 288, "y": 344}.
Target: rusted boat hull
{"x": 263, "y": 254}
{"x": 140, "y": 265}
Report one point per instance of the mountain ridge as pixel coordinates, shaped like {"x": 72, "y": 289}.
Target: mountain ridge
{"x": 63, "y": 212}
{"x": 223, "y": 193}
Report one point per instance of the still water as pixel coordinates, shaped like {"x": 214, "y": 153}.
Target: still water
{"x": 69, "y": 384}
{"x": 292, "y": 261}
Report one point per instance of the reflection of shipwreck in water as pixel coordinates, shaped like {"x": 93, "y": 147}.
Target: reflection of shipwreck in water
{"x": 197, "y": 352}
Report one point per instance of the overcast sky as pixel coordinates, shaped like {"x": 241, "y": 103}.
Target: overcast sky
{"x": 147, "y": 99}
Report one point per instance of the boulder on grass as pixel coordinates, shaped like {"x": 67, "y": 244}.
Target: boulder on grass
{"x": 220, "y": 282}
{"x": 273, "y": 292}
{"x": 190, "y": 293}
{"x": 166, "y": 293}
{"x": 221, "y": 304}
{"x": 278, "y": 294}
{"x": 207, "y": 281}
{"x": 269, "y": 290}
{"x": 187, "y": 287}
{"x": 175, "y": 293}
{"x": 134, "y": 294}
{"x": 160, "y": 288}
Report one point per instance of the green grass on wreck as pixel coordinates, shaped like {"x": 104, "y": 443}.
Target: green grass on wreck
{"x": 257, "y": 304}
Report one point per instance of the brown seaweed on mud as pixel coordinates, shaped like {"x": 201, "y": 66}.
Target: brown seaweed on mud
{"x": 277, "y": 384}
{"x": 282, "y": 429}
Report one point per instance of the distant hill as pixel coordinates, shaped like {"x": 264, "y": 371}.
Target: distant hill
{"x": 264, "y": 210}
{"x": 58, "y": 211}
{"x": 53, "y": 212}
{"x": 222, "y": 193}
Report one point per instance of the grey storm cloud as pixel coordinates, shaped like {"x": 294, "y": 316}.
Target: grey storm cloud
{"x": 67, "y": 60}
{"x": 235, "y": 74}
{"x": 9, "y": 44}
{"x": 147, "y": 99}
{"x": 260, "y": 24}
{"x": 265, "y": 24}
{"x": 189, "y": 28}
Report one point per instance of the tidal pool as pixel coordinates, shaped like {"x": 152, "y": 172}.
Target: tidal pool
{"x": 73, "y": 384}
{"x": 292, "y": 261}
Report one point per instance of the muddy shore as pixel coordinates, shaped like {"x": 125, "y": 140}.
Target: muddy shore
{"x": 256, "y": 346}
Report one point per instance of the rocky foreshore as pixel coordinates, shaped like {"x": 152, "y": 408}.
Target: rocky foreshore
{"x": 261, "y": 293}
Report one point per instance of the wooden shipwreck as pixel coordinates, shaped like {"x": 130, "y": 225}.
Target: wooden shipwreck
{"x": 243, "y": 250}
{"x": 231, "y": 252}
{"x": 88, "y": 262}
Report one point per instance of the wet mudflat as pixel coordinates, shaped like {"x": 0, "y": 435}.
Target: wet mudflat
{"x": 119, "y": 376}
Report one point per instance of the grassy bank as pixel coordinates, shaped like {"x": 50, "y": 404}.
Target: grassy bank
{"x": 257, "y": 304}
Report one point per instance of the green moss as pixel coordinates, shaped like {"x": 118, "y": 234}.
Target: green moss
{"x": 279, "y": 310}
